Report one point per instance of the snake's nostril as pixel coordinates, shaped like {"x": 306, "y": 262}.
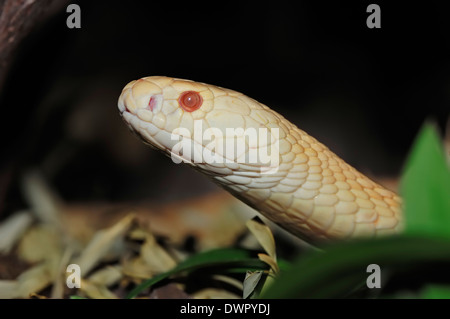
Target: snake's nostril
{"x": 155, "y": 103}
{"x": 152, "y": 103}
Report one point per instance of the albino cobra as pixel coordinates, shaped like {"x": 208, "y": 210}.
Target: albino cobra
{"x": 314, "y": 194}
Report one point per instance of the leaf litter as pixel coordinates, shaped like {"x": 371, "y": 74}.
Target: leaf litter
{"x": 118, "y": 248}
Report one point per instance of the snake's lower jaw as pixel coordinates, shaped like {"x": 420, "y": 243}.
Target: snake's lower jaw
{"x": 121, "y": 105}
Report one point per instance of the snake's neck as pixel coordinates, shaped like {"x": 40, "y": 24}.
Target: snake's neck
{"x": 316, "y": 195}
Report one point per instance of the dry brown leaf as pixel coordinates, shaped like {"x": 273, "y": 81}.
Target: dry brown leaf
{"x": 95, "y": 291}
{"x": 229, "y": 280}
{"x": 137, "y": 234}
{"x": 270, "y": 261}
{"x": 102, "y": 244}
{"x": 13, "y": 228}
{"x": 59, "y": 281}
{"x": 39, "y": 243}
{"x": 107, "y": 276}
{"x": 169, "y": 291}
{"x": 137, "y": 268}
{"x": 34, "y": 295}
{"x": 214, "y": 293}
{"x": 264, "y": 236}
{"x": 157, "y": 259}
{"x": 34, "y": 279}
{"x": 43, "y": 201}
{"x": 9, "y": 289}
{"x": 214, "y": 220}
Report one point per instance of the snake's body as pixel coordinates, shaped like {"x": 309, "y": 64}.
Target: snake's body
{"x": 314, "y": 194}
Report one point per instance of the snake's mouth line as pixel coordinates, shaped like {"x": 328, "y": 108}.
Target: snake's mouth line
{"x": 211, "y": 146}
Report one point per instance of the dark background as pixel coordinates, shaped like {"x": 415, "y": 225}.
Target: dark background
{"x": 363, "y": 92}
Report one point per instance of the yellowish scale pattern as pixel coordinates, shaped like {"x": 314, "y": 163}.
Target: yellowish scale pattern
{"x": 314, "y": 194}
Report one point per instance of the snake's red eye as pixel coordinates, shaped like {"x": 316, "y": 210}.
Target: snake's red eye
{"x": 190, "y": 101}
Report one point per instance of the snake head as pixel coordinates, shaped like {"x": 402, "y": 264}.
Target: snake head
{"x": 204, "y": 117}
{"x": 155, "y": 107}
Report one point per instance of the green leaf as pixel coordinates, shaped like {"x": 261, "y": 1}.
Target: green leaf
{"x": 230, "y": 258}
{"x": 436, "y": 292}
{"x": 77, "y": 297}
{"x": 283, "y": 264}
{"x": 340, "y": 268}
{"x": 425, "y": 187}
